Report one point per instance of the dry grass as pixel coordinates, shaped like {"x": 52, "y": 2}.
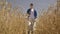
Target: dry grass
{"x": 49, "y": 22}
{"x": 13, "y": 22}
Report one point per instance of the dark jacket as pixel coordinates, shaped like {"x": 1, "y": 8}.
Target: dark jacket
{"x": 29, "y": 12}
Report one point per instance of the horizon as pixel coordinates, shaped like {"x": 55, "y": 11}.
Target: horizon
{"x": 39, "y": 5}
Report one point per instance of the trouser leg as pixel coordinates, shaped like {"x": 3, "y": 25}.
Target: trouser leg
{"x": 28, "y": 32}
{"x": 30, "y": 29}
{"x": 32, "y": 24}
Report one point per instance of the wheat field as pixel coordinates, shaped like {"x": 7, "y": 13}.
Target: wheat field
{"x": 13, "y": 21}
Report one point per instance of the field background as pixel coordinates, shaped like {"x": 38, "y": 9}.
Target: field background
{"x": 12, "y": 21}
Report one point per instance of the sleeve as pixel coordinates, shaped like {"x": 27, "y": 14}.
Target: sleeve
{"x": 28, "y": 11}
{"x": 35, "y": 14}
